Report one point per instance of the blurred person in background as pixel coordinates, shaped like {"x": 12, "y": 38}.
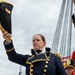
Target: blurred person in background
{"x": 69, "y": 67}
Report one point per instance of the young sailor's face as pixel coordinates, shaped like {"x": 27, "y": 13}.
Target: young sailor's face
{"x": 69, "y": 71}
{"x": 38, "y": 43}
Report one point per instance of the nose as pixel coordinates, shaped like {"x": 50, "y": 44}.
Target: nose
{"x": 35, "y": 41}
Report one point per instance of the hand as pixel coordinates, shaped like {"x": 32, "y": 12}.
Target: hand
{"x": 7, "y": 36}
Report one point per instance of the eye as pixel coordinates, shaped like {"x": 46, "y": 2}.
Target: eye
{"x": 36, "y": 40}
{"x": 33, "y": 40}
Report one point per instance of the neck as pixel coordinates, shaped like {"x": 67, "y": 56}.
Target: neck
{"x": 38, "y": 51}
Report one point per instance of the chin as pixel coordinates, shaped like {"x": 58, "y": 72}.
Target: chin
{"x": 36, "y": 49}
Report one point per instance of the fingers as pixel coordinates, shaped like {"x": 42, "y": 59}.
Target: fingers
{"x": 7, "y": 36}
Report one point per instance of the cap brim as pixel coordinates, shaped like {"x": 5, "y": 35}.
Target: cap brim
{"x": 69, "y": 66}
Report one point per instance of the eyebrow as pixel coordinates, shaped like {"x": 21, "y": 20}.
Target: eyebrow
{"x": 36, "y": 40}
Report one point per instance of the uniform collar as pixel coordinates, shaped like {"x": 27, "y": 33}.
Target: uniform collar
{"x": 40, "y": 57}
{"x": 44, "y": 50}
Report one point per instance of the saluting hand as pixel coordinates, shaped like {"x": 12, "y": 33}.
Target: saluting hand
{"x": 7, "y": 36}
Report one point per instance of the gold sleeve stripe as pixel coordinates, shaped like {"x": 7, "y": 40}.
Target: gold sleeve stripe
{"x": 9, "y": 50}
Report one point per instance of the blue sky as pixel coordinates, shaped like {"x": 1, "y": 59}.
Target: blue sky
{"x": 30, "y": 17}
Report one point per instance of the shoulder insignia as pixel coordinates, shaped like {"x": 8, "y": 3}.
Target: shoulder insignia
{"x": 57, "y": 54}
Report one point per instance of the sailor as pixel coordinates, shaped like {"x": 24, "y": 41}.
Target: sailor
{"x": 41, "y": 62}
{"x": 70, "y": 67}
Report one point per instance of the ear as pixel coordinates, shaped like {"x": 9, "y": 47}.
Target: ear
{"x": 44, "y": 43}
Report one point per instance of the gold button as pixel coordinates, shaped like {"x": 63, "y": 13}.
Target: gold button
{"x": 46, "y": 66}
{"x": 31, "y": 74}
{"x": 31, "y": 70}
{"x": 32, "y": 65}
{"x": 44, "y": 70}
{"x": 46, "y": 61}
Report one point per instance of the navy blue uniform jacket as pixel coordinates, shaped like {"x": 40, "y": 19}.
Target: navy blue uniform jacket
{"x": 43, "y": 64}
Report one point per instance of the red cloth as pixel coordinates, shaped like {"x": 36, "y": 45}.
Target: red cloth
{"x": 73, "y": 73}
{"x": 73, "y": 55}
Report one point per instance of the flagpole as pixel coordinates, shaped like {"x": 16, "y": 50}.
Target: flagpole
{"x": 20, "y": 70}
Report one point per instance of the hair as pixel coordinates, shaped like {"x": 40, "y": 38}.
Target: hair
{"x": 42, "y": 37}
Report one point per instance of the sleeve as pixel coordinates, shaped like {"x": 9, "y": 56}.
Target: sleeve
{"x": 14, "y": 56}
{"x": 59, "y": 66}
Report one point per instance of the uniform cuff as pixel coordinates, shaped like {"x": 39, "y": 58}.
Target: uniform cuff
{"x": 8, "y": 46}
